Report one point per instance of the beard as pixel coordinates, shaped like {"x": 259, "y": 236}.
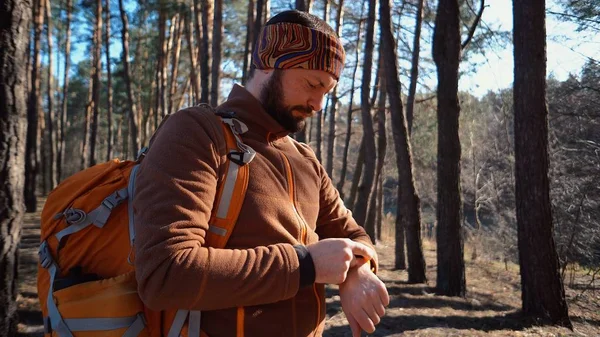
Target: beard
{"x": 271, "y": 97}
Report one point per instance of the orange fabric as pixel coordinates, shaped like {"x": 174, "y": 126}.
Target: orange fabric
{"x": 100, "y": 251}
{"x": 240, "y": 322}
{"x": 104, "y": 251}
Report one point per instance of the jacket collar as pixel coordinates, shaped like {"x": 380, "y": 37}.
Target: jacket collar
{"x": 249, "y": 110}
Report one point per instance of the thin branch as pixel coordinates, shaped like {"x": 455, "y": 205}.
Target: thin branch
{"x": 474, "y": 25}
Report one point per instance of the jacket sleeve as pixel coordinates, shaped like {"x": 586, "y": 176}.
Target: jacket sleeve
{"x": 175, "y": 191}
{"x": 335, "y": 220}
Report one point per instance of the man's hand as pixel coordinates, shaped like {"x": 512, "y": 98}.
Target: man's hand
{"x": 334, "y": 257}
{"x": 364, "y": 298}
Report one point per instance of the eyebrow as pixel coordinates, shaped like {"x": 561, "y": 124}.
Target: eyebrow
{"x": 318, "y": 80}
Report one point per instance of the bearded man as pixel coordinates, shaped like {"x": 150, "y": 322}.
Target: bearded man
{"x": 293, "y": 234}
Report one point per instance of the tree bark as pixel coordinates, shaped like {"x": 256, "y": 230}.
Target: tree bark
{"x": 86, "y": 125}
{"x": 364, "y": 190}
{"x": 207, "y": 15}
{"x": 164, "y": 86}
{"x": 371, "y": 226}
{"x": 195, "y": 80}
{"x": 414, "y": 70}
{"x": 258, "y": 21}
{"x": 358, "y": 171}
{"x": 543, "y": 295}
{"x": 247, "y": 44}
{"x": 175, "y": 63}
{"x": 109, "y": 101}
{"x": 51, "y": 131}
{"x": 216, "y": 53}
{"x": 344, "y": 169}
{"x": 301, "y": 5}
{"x": 97, "y": 70}
{"x": 446, "y": 54}
{"x": 133, "y": 137}
{"x": 162, "y": 46}
{"x": 14, "y": 36}
{"x": 60, "y": 158}
{"x": 408, "y": 202}
{"x": 32, "y": 151}
{"x": 331, "y": 138}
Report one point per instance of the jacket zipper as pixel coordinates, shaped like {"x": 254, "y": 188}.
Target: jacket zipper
{"x": 303, "y": 225}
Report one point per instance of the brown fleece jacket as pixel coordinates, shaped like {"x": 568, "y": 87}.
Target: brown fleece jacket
{"x": 290, "y": 201}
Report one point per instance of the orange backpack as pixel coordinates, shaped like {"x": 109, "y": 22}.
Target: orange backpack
{"x": 86, "y": 278}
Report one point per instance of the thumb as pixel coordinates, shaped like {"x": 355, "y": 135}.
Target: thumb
{"x": 356, "y": 330}
{"x": 363, "y": 250}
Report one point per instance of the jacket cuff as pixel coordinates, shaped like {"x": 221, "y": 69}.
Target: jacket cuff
{"x": 307, "y": 266}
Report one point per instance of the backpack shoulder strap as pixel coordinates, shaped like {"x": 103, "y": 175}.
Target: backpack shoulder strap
{"x": 232, "y": 190}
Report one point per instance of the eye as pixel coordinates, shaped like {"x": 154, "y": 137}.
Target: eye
{"x": 312, "y": 86}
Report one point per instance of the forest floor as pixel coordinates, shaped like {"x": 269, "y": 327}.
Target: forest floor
{"x": 490, "y": 308}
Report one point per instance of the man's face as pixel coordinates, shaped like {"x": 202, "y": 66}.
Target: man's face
{"x": 290, "y": 96}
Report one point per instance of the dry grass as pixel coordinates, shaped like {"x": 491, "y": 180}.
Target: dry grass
{"x": 491, "y": 307}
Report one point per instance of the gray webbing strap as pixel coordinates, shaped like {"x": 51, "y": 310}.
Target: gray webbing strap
{"x": 131, "y": 192}
{"x": 228, "y": 187}
{"x": 56, "y": 321}
{"x": 98, "y": 216}
{"x": 217, "y": 230}
{"x": 194, "y": 323}
{"x": 178, "y": 322}
{"x": 100, "y": 324}
{"x": 136, "y": 328}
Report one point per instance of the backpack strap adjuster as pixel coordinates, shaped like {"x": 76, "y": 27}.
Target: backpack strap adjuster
{"x": 238, "y": 157}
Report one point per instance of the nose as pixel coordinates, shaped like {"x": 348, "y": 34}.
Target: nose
{"x": 316, "y": 103}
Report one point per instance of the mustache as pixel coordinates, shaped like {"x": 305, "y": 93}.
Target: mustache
{"x": 303, "y": 109}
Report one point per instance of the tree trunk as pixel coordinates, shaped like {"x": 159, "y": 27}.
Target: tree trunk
{"x": 247, "y": 43}
{"x": 334, "y": 99}
{"x": 370, "y": 226}
{"x": 96, "y": 71}
{"x": 175, "y": 63}
{"x": 162, "y": 46}
{"x": 344, "y": 169}
{"x": 216, "y": 53}
{"x": 32, "y": 151}
{"x": 258, "y": 21}
{"x": 207, "y": 15}
{"x": 193, "y": 57}
{"x": 164, "y": 87}
{"x": 408, "y": 203}
{"x": 414, "y": 70}
{"x": 358, "y": 170}
{"x": 133, "y": 142}
{"x": 446, "y": 54}
{"x": 60, "y": 160}
{"x": 86, "y": 126}
{"x": 51, "y": 131}
{"x": 14, "y": 36}
{"x": 267, "y": 10}
{"x": 380, "y": 210}
{"x": 319, "y": 132}
{"x": 109, "y": 111}
{"x": 543, "y": 294}
{"x": 364, "y": 190}
{"x": 301, "y": 5}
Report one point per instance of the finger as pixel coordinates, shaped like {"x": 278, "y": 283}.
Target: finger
{"x": 357, "y": 261}
{"x": 379, "y": 309}
{"x": 383, "y": 294}
{"x": 363, "y": 250}
{"x": 373, "y": 315}
{"x": 364, "y": 321}
{"x": 354, "y": 326}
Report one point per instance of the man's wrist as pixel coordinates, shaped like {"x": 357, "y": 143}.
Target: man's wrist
{"x": 306, "y": 266}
